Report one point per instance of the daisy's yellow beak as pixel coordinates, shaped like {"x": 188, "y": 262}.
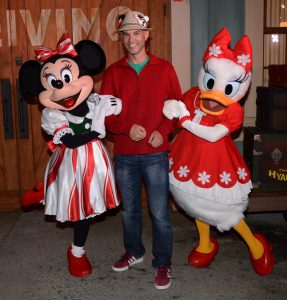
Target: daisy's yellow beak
{"x": 214, "y": 102}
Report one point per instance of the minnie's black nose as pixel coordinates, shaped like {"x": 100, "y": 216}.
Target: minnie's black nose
{"x": 57, "y": 84}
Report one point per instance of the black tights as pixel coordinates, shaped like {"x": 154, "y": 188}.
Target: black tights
{"x": 81, "y": 230}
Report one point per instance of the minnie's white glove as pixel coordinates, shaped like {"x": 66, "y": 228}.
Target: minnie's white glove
{"x": 110, "y": 105}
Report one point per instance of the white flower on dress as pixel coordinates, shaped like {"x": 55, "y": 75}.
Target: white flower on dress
{"x": 214, "y": 50}
{"x": 243, "y": 59}
{"x": 225, "y": 177}
{"x": 203, "y": 177}
{"x": 183, "y": 171}
{"x": 170, "y": 162}
{"x": 241, "y": 173}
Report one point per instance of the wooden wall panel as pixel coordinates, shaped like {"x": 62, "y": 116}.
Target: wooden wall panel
{"x": 160, "y": 15}
{"x": 8, "y": 147}
{"x": 19, "y": 49}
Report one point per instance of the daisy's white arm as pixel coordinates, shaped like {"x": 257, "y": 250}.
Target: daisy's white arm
{"x": 211, "y": 134}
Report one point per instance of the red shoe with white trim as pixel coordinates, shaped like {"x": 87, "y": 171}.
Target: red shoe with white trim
{"x": 162, "y": 278}
{"x": 125, "y": 262}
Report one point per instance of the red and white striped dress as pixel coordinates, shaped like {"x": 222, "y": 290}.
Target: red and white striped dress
{"x": 79, "y": 183}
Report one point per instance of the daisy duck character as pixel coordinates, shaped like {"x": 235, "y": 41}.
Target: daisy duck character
{"x": 209, "y": 179}
{"x": 79, "y": 182}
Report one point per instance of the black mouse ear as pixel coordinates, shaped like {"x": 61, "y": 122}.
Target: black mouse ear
{"x": 29, "y": 78}
{"x": 92, "y": 56}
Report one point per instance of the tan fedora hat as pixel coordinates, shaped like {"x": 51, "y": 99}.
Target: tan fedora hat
{"x": 133, "y": 20}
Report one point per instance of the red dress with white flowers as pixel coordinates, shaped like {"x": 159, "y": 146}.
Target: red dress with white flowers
{"x": 210, "y": 180}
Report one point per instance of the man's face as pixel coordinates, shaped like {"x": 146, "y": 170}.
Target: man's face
{"x": 134, "y": 41}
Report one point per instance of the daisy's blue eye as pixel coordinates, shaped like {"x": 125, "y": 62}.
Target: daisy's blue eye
{"x": 232, "y": 88}
{"x": 208, "y": 81}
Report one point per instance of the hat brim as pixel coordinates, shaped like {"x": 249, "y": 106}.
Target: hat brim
{"x": 132, "y": 27}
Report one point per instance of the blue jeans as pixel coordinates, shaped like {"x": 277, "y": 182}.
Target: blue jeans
{"x": 153, "y": 169}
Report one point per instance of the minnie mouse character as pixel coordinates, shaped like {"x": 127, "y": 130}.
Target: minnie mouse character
{"x": 208, "y": 177}
{"x": 79, "y": 181}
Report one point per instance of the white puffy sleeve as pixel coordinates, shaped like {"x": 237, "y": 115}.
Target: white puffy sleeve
{"x": 55, "y": 123}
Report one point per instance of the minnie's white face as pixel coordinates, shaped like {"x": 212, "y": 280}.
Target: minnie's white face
{"x": 64, "y": 89}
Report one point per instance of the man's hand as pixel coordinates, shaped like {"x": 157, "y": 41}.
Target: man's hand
{"x": 155, "y": 139}
{"x": 137, "y": 133}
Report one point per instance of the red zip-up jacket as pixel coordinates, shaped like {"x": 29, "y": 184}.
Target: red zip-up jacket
{"x": 142, "y": 98}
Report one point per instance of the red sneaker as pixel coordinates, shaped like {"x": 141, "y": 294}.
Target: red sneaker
{"x": 162, "y": 278}
{"x": 78, "y": 266}
{"x": 125, "y": 262}
{"x": 34, "y": 196}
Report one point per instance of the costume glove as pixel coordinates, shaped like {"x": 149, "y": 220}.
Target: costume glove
{"x": 74, "y": 141}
